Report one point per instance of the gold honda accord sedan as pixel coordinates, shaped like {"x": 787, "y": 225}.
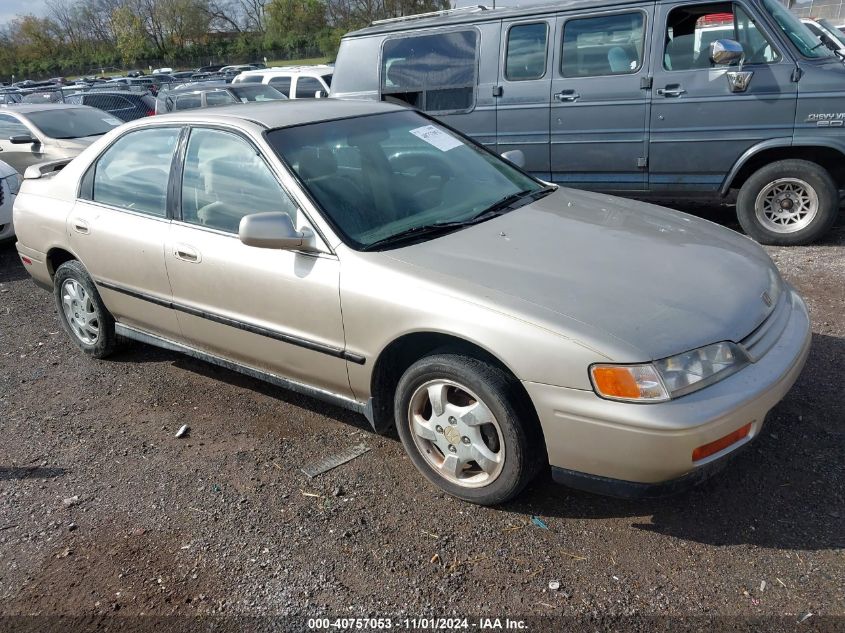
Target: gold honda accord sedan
{"x": 365, "y": 254}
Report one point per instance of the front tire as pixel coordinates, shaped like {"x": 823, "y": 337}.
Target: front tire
{"x": 82, "y": 312}
{"x": 788, "y": 203}
{"x": 467, "y": 428}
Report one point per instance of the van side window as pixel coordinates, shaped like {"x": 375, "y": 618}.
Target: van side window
{"x": 282, "y": 84}
{"x": 526, "y": 52}
{"x": 690, "y": 31}
{"x": 603, "y": 45}
{"x": 434, "y": 73}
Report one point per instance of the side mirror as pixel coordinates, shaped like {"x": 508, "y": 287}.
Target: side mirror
{"x": 273, "y": 230}
{"x": 726, "y": 52}
{"x": 22, "y": 139}
{"x": 515, "y": 156}
{"x": 321, "y": 94}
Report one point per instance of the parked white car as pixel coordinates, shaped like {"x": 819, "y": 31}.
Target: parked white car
{"x": 10, "y": 183}
{"x": 828, "y": 33}
{"x": 295, "y": 82}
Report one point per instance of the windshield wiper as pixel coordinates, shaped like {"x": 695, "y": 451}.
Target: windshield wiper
{"x": 511, "y": 202}
{"x": 508, "y": 202}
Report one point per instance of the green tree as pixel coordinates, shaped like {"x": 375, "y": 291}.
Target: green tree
{"x": 131, "y": 36}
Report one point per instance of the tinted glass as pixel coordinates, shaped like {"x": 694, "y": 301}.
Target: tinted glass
{"x": 833, "y": 32}
{"x": 807, "y": 44}
{"x": 187, "y": 102}
{"x": 328, "y": 80}
{"x": 603, "y": 45}
{"x": 282, "y": 84}
{"x": 218, "y": 97}
{"x": 526, "y": 52}
{"x": 224, "y": 179}
{"x": 73, "y": 122}
{"x": 10, "y": 126}
{"x": 133, "y": 173}
{"x": 306, "y": 87}
{"x": 435, "y": 73}
{"x": 250, "y": 79}
{"x": 377, "y": 176}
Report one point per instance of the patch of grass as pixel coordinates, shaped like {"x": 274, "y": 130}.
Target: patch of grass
{"x": 308, "y": 61}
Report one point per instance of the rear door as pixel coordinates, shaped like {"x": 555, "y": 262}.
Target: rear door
{"x": 119, "y": 226}
{"x": 600, "y": 99}
{"x": 522, "y": 108}
{"x": 699, "y": 126}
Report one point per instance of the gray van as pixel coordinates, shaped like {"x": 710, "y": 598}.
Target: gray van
{"x": 674, "y": 99}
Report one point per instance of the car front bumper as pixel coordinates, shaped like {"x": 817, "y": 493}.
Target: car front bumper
{"x": 629, "y": 449}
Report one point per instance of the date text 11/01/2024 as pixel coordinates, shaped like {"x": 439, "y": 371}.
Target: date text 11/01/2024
{"x": 417, "y": 624}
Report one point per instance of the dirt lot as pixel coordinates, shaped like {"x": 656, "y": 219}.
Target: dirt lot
{"x": 102, "y": 510}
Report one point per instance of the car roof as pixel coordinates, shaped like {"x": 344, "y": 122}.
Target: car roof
{"x": 26, "y": 108}
{"x": 477, "y": 13}
{"x": 322, "y": 69}
{"x": 287, "y": 113}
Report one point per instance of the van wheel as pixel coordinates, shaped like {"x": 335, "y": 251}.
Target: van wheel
{"x": 467, "y": 429}
{"x": 82, "y": 312}
{"x": 787, "y": 203}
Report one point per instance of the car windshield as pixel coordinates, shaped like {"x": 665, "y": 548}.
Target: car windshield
{"x": 260, "y": 92}
{"x": 808, "y": 44}
{"x": 834, "y": 32}
{"x": 66, "y": 123}
{"x": 380, "y": 176}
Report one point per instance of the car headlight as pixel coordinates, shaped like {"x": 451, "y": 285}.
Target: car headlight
{"x": 670, "y": 377}
{"x": 14, "y": 182}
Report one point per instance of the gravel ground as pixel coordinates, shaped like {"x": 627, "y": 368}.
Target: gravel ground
{"x": 103, "y": 510}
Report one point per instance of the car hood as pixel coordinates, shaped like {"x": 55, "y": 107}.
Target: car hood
{"x": 661, "y": 281}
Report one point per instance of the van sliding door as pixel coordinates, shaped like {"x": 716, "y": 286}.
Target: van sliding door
{"x": 600, "y": 99}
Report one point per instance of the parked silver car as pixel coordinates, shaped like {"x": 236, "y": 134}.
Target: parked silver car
{"x": 34, "y": 133}
{"x": 362, "y": 253}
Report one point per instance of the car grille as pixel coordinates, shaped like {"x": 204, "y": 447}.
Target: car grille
{"x": 763, "y": 338}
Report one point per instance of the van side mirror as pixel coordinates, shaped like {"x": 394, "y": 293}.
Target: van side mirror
{"x": 22, "y": 139}
{"x": 273, "y": 230}
{"x": 726, "y": 52}
{"x": 515, "y": 156}
{"x": 321, "y": 94}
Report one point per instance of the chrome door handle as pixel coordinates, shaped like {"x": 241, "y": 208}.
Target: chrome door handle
{"x": 565, "y": 96}
{"x": 81, "y": 226}
{"x": 673, "y": 91}
{"x": 187, "y": 253}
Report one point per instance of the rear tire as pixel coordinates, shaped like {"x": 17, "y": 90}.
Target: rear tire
{"x": 788, "y": 203}
{"x": 82, "y": 312}
{"x": 467, "y": 428}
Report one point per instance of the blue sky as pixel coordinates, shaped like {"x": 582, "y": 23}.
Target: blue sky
{"x": 10, "y": 8}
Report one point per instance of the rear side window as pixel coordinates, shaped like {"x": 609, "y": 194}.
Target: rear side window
{"x": 603, "y": 45}
{"x": 187, "y": 102}
{"x": 434, "y": 73}
{"x": 526, "y": 52}
{"x": 306, "y": 87}
{"x": 250, "y": 79}
{"x": 218, "y": 97}
{"x": 133, "y": 173}
{"x": 282, "y": 84}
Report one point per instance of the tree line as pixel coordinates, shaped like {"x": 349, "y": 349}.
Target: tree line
{"x": 84, "y": 36}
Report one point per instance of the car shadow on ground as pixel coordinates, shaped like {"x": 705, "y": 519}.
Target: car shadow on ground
{"x": 786, "y": 490}
{"x": 29, "y": 472}
{"x": 11, "y": 268}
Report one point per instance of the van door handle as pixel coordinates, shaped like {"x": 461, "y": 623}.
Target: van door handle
{"x": 187, "y": 253}
{"x": 81, "y": 226}
{"x": 565, "y": 96}
{"x": 672, "y": 90}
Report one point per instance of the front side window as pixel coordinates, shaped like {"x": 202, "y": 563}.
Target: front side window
{"x": 133, "y": 173}
{"x": 377, "y": 177}
{"x": 807, "y": 44}
{"x": 224, "y": 179}
{"x": 434, "y": 73}
{"x": 690, "y": 30}
{"x": 603, "y": 45}
{"x": 67, "y": 123}
{"x": 10, "y": 126}
{"x": 525, "y": 56}
{"x": 306, "y": 87}
{"x": 218, "y": 97}
{"x": 188, "y": 102}
{"x": 282, "y": 84}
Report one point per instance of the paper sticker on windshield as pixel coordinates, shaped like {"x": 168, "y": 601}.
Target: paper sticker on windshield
{"x": 112, "y": 121}
{"x": 440, "y": 139}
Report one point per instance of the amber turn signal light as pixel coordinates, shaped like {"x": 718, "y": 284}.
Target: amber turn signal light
{"x": 722, "y": 443}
